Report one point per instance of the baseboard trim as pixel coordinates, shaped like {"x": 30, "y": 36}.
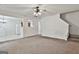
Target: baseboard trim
{"x": 16, "y": 39}
{"x": 31, "y": 36}
{"x": 52, "y": 38}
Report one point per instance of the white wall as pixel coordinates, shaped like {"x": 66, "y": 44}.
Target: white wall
{"x": 53, "y": 26}
{"x": 73, "y": 19}
{"x": 10, "y": 29}
{"x": 29, "y": 31}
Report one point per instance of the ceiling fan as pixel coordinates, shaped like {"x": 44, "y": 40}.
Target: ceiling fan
{"x": 38, "y": 11}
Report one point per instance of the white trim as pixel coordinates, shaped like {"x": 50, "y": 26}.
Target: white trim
{"x": 39, "y": 27}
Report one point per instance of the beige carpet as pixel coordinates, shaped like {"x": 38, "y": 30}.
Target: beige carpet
{"x": 39, "y": 45}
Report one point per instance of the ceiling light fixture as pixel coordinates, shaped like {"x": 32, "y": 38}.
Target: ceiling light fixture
{"x": 37, "y": 11}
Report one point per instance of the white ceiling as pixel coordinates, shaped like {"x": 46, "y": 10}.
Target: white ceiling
{"x": 27, "y": 9}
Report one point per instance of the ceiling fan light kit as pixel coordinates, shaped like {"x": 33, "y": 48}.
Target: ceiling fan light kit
{"x": 37, "y": 11}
